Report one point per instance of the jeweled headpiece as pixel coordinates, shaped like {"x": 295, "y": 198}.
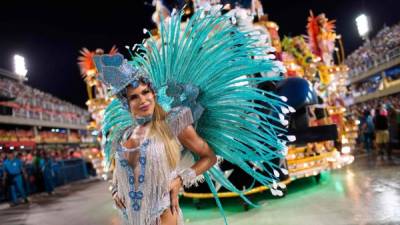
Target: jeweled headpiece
{"x": 117, "y": 73}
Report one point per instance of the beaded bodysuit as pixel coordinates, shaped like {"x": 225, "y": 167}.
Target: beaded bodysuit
{"x": 144, "y": 186}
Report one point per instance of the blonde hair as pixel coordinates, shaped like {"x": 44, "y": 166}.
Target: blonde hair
{"x": 160, "y": 129}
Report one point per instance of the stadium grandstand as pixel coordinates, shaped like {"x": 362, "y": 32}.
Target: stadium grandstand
{"x": 22, "y": 104}
{"x": 374, "y": 81}
{"x": 34, "y": 123}
{"x": 375, "y": 70}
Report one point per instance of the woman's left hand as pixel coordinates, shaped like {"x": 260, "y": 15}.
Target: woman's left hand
{"x": 175, "y": 186}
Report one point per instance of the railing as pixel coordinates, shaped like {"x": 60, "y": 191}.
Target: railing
{"x": 33, "y": 104}
{"x": 21, "y": 113}
{"x": 392, "y": 54}
{"x": 65, "y": 171}
{"x": 389, "y": 89}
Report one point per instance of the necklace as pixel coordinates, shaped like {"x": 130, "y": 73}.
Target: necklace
{"x": 143, "y": 119}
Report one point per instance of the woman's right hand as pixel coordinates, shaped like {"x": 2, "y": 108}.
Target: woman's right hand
{"x": 137, "y": 136}
{"x": 120, "y": 203}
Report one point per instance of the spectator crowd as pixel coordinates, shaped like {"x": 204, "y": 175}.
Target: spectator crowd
{"x": 28, "y": 102}
{"x": 381, "y": 48}
{"x": 43, "y": 136}
{"x": 26, "y": 172}
{"x": 379, "y": 124}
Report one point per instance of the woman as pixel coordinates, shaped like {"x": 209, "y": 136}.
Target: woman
{"x": 146, "y": 177}
{"x": 202, "y": 68}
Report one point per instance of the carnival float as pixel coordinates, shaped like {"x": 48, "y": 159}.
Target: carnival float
{"x": 96, "y": 103}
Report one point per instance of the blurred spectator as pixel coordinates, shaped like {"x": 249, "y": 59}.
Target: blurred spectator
{"x": 366, "y": 87}
{"x": 3, "y": 188}
{"x": 3, "y": 156}
{"x": 13, "y": 178}
{"x": 368, "y": 131}
{"x": 382, "y": 131}
{"x": 47, "y": 169}
{"x": 390, "y": 106}
{"x": 44, "y": 136}
{"x": 38, "y": 174}
{"x": 393, "y": 115}
{"x": 392, "y": 101}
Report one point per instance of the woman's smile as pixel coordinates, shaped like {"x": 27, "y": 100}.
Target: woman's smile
{"x": 145, "y": 107}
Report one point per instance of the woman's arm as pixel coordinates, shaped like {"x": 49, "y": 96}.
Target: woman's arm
{"x": 191, "y": 140}
{"x": 134, "y": 140}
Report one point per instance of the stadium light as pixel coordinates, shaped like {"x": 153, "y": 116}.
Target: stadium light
{"x": 19, "y": 66}
{"x": 362, "y": 23}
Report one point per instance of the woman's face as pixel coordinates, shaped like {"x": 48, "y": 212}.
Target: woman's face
{"x": 141, "y": 100}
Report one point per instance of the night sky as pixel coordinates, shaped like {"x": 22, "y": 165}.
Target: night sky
{"x": 50, "y": 36}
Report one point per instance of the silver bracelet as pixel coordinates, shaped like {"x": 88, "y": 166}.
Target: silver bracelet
{"x": 113, "y": 191}
{"x": 125, "y": 149}
{"x": 187, "y": 176}
{"x": 113, "y": 188}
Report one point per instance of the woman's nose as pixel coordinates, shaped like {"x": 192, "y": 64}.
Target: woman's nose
{"x": 142, "y": 98}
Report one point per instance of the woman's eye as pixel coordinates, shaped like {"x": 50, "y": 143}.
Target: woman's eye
{"x": 145, "y": 92}
{"x": 133, "y": 97}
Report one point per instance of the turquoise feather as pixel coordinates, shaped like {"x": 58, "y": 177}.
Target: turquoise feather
{"x": 115, "y": 121}
{"x": 214, "y": 55}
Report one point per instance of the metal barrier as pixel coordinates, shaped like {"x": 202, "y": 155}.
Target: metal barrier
{"x": 72, "y": 170}
{"x": 65, "y": 171}
{"x": 390, "y": 55}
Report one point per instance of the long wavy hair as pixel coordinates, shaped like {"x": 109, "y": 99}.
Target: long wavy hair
{"x": 160, "y": 129}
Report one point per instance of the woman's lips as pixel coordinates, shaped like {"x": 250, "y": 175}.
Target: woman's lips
{"x": 144, "y": 108}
